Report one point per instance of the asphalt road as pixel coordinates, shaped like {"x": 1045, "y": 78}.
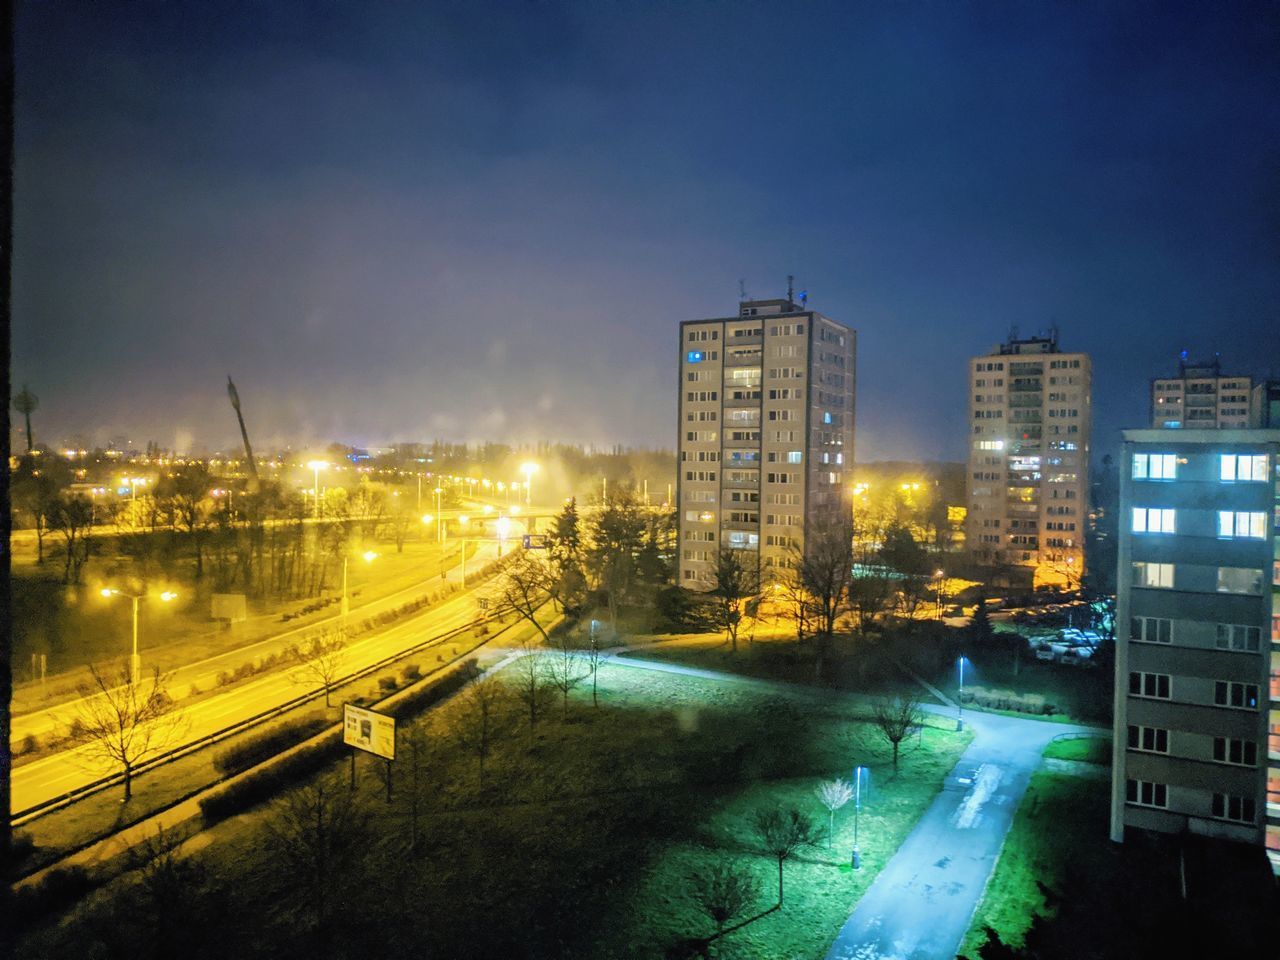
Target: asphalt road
{"x": 60, "y": 773}
{"x": 922, "y": 901}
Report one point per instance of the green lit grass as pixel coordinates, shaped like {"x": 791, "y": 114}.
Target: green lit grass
{"x": 1061, "y": 817}
{"x": 1085, "y": 749}
{"x": 584, "y": 836}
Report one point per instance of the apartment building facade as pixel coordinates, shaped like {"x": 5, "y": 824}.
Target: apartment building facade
{"x": 766, "y": 418}
{"x": 1201, "y": 397}
{"x": 1197, "y": 698}
{"x": 1028, "y": 474}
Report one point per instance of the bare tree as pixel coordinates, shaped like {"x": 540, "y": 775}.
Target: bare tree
{"x": 566, "y": 669}
{"x": 318, "y": 833}
{"x": 834, "y": 794}
{"x": 725, "y": 891}
{"x": 782, "y": 832}
{"x": 480, "y": 719}
{"x": 171, "y": 887}
{"x": 531, "y": 682}
{"x": 736, "y": 582}
{"x": 73, "y": 518}
{"x": 122, "y": 724}
{"x": 524, "y": 588}
{"x": 420, "y": 755}
{"x": 320, "y": 660}
{"x": 185, "y": 498}
{"x": 595, "y": 659}
{"x": 895, "y": 717}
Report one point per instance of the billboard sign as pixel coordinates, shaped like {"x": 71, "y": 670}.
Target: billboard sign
{"x": 369, "y": 730}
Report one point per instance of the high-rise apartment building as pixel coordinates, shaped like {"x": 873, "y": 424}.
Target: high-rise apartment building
{"x": 1028, "y": 482}
{"x": 1197, "y": 700}
{"x": 1200, "y": 397}
{"x": 1264, "y": 405}
{"x": 766, "y": 434}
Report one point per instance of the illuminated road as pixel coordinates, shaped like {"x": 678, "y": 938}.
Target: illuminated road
{"x": 53, "y": 776}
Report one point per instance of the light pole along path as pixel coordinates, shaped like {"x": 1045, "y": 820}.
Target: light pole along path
{"x": 921, "y": 903}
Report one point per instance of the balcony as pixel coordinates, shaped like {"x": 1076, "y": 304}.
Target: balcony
{"x": 1026, "y": 385}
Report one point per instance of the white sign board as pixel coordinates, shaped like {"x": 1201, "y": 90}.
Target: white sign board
{"x": 369, "y": 730}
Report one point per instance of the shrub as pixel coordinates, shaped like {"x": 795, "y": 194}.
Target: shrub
{"x": 411, "y": 673}
{"x": 433, "y": 693}
{"x": 387, "y": 684}
{"x": 1032, "y": 703}
{"x": 21, "y": 848}
{"x": 254, "y": 788}
{"x": 253, "y": 750}
{"x": 60, "y": 888}
{"x": 30, "y": 743}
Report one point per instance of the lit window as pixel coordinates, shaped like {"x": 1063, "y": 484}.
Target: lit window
{"x": 794, "y": 456}
{"x": 1251, "y": 525}
{"x": 1243, "y": 466}
{"x": 1153, "y": 520}
{"x": 1159, "y": 575}
{"x": 1239, "y": 580}
{"x": 1155, "y": 466}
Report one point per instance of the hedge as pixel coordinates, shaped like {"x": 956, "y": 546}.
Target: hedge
{"x": 1032, "y": 703}
{"x": 253, "y": 750}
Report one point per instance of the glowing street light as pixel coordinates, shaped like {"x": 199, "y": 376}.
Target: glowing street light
{"x": 528, "y": 469}
{"x": 135, "y": 661}
{"x": 317, "y": 466}
{"x": 369, "y": 556}
{"x": 857, "y": 807}
{"x": 503, "y": 526}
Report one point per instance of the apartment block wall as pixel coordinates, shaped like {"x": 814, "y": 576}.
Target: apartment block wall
{"x": 1197, "y": 696}
{"x": 766, "y": 434}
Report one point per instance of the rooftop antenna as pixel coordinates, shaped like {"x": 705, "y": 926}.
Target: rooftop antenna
{"x": 791, "y": 288}
{"x": 742, "y": 290}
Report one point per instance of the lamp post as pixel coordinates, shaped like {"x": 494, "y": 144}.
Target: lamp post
{"x": 439, "y": 516}
{"x": 938, "y": 575}
{"x": 369, "y": 557}
{"x": 857, "y": 807}
{"x": 135, "y": 661}
{"x": 959, "y": 702}
{"x": 317, "y": 466}
{"x": 528, "y": 469}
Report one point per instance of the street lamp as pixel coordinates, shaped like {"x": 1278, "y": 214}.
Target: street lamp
{"x": 369, "y": 557}
{"x": 135, "y": 661}
{"x": 959, "y": 702}
{"x": 938, "y": 574}
{"x": 857, "y": 806}
{"x": 317, "y": 466}
{"x": 503, "y": 527}
{"x": 439, "y": 516}
{"x": 528, "y": 469}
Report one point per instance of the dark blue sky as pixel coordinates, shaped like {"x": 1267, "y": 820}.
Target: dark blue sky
{"x": 469, "y": 220}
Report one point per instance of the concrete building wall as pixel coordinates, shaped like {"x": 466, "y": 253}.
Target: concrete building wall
{"x": 1030, "y": 415}
{"x": 1197, "y": 702}
{"x": 766, "y": 434}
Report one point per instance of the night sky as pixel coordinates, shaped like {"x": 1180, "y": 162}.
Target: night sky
{"x": 485, "y": 221}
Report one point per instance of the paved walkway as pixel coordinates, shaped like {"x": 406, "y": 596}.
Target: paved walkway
{"x": 922, "y": 901}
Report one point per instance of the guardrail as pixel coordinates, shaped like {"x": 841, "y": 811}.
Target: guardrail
{"x": 79, "y": 793}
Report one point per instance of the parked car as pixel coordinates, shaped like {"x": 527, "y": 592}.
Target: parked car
{"x": 1050, "y": 652}
{"x": 1077, "y": 657}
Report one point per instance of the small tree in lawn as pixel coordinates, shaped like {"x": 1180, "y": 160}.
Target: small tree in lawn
{"x": 567, "y": 669}
{"x": 895, "y": 717}
{"x": 122, "y": 723}
{"x": 595, "y": 657}
{"x": 320, "y": 661}
{"x": 834, "y": 794}
{"x": 782, "y": 832}
{"x": 480, "y": 719}
{"x": 725, "y": 891}
{"x": 532, "y": 682}
{"x": 736, "y": 581}
{"x": 318, "y": 833}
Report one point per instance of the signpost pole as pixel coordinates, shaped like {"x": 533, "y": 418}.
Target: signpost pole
{"x": 353, "y": 769}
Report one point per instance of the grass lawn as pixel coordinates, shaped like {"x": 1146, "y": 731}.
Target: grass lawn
{"x": 1087, "y": 749}
{"x": 580, "y": 840}
{"x": 1061, "y": 817}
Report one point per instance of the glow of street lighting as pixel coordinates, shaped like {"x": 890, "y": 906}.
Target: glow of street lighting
{"x": 108, "y": 592}
{"x": 168, "y": 595}
{"x": 463, "y": 519}
{"x": 317, "y": 464}
{"x": 427, "y": 518}
{"x": 515, "y": 509}
{"x": 369, "y": 556}
{"x": 488, "y": 508}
